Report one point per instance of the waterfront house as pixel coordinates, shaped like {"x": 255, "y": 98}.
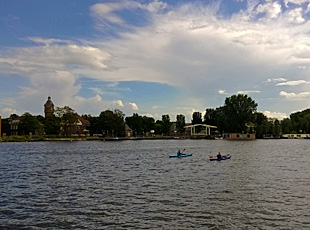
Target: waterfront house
{"x": 14, "y": 121}
{"x": 296, "y": 136}
{"x": 79, "y": 128}
{"x": 239, "y": 136}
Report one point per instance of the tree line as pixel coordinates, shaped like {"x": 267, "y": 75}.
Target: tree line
{"x": 237, "y": 115}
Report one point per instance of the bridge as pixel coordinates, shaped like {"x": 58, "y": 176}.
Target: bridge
{"x": 206, "y": 131}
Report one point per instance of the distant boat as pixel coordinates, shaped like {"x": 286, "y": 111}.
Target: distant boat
{"x": 212, "y": 158}
{"x": 182, "y": 155}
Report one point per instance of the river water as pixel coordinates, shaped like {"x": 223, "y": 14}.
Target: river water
{"x": 135, "y": 185}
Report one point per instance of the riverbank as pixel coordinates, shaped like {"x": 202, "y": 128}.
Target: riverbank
{"x": 42, "y": 138}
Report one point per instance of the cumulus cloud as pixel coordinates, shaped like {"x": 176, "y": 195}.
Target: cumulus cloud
{"x": 271, "y": 9}
{"x": 278, "y": 115}
{"x": 134, "y": 106}
{"x": 191, "y": 47}
{"x": 296, "y": 16}
{"x": 119, "y": 103}
{"x": 295, "y": 96}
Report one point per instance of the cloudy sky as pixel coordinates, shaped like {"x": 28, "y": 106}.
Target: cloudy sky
{"x": 154, "y": 57}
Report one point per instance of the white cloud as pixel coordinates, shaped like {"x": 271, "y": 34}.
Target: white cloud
{"x": 248, "y": 91}
{"x": 295, "y": 96}
{"x": 296, "y": 16}
{"x": 297, "y": 2}
{"x": 294, "y": 83}
{"x": 223, "y": 92}
{"x": 156, "y": 6}
{"x": 108, "y": 11}
{"x": 119, "y": 103}
{"x": 271, "y": 9}
{"x": 278, "y": 115}
{"x": 189, "y": 47}
{"x": 134, "y": 106}
{"x": 275, "y": 80}
{"x": 6, "y": 112}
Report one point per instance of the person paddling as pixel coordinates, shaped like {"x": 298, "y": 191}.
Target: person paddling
{"x": 179, "y": 153}
{"x": 219, "y": 155}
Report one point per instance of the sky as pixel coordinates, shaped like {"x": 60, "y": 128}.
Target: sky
{"x": 154, "y": 57}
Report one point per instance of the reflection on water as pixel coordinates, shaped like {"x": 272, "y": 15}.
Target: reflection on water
{"x": 134, "y": 185}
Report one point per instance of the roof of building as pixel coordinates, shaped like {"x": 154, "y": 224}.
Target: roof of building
{"x": 49, "y": 102}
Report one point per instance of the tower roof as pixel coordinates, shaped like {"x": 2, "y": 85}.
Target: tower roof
{"x": 49, "y": 102}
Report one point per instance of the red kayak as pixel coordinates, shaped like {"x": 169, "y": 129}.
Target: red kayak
{"x": 225, "y": 157}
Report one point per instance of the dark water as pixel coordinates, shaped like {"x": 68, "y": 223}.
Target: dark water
{"x": 134, "y": 185}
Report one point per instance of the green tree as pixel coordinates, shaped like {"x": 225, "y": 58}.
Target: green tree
{"x": 261, "y": 123}
{"x": 180, "y": 123}
{"x": 52, "y": 125}
{"x": 148, "y": 124}
{"x": 5, "y": 127}
{"x": 135, "y": 123}
{"x": 276, "y": 128}
{"x": 166, "y": 124}
{"x": 68, "y": 117}
{"x": 111, "y": 122}
{"x": 197, "y": 118}
{"x": 301, "y": 121}
{"x": 238, "y": 111}
{"x": 210, "y": 117}
{"x": 29, "y": 125}
{"x": 158, "y": 126}
{"x": 286, "y": 126}
{"x": 93, "y": 127}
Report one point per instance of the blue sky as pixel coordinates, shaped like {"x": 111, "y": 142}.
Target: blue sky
{"x": 154, "y": 57}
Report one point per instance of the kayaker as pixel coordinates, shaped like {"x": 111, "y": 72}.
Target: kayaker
{"x": 219, "y": 155}
{"x": 179, "y": 152}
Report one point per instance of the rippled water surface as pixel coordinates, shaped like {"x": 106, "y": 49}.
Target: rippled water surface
{"x": 134, "y": 185}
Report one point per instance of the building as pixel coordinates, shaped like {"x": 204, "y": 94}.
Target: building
{"x": 239, "y": 136}
{"x": 49, "y": 108}
{"x": 79, "y": 128}
{"x": 14, "y": 123}
{"x": 128, "y": 131}
{"x": 296, "y": 136}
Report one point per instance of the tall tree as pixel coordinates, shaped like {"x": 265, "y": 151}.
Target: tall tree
{"x": 111, "y": 122}
{"x": 30, "y": 125}
{"x": 166, "y": 124}
{"x": 135, "y": 123}
{"x": 287, "y": 126}
{"x": 238, "y": 110}
{"x": 67, "y": 116}
{"x": 52, "y": 125}
{"x": 180, "y": 123}
{"x": 197, "y": 118}
{"x": 261, "y": 124}
{"x": 148, "y": 124}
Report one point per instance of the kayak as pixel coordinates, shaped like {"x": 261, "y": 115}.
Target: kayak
{"x": 223, "y": 158}
{"x": 182, "y": 155}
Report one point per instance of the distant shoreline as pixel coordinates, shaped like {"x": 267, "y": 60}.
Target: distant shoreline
{"x": 71, "y": 139}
